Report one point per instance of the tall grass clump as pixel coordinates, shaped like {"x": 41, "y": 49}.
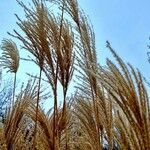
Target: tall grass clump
{"x": 10, "y": 60}
{"x": 109, "y": 108}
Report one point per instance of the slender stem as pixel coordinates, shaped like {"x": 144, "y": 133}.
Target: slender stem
{"x": 55, "y": 132}
{"x": 14, "y": 88}
{"x": 37, "y": 108}
{"x": 55, "y": 111}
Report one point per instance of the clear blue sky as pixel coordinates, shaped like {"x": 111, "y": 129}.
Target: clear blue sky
{"x": 125, "y": 23}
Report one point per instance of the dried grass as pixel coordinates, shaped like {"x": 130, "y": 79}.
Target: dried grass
{"x": 111, "y": 106}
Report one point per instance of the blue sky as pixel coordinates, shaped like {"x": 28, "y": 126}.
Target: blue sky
{"x": 125, "y": 23}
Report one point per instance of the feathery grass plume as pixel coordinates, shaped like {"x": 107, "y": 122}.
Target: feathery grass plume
{"x": 10, "y": 56}
{"x": 10, "y": 60}
{"x": 72, "y": 8}
{"x": 65, "y": 61}
{"x": 125, "y": 86}
{"x": 54, "y": 61}
{"x": 87, "y": 62}
{"x": 59, "y": 57}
